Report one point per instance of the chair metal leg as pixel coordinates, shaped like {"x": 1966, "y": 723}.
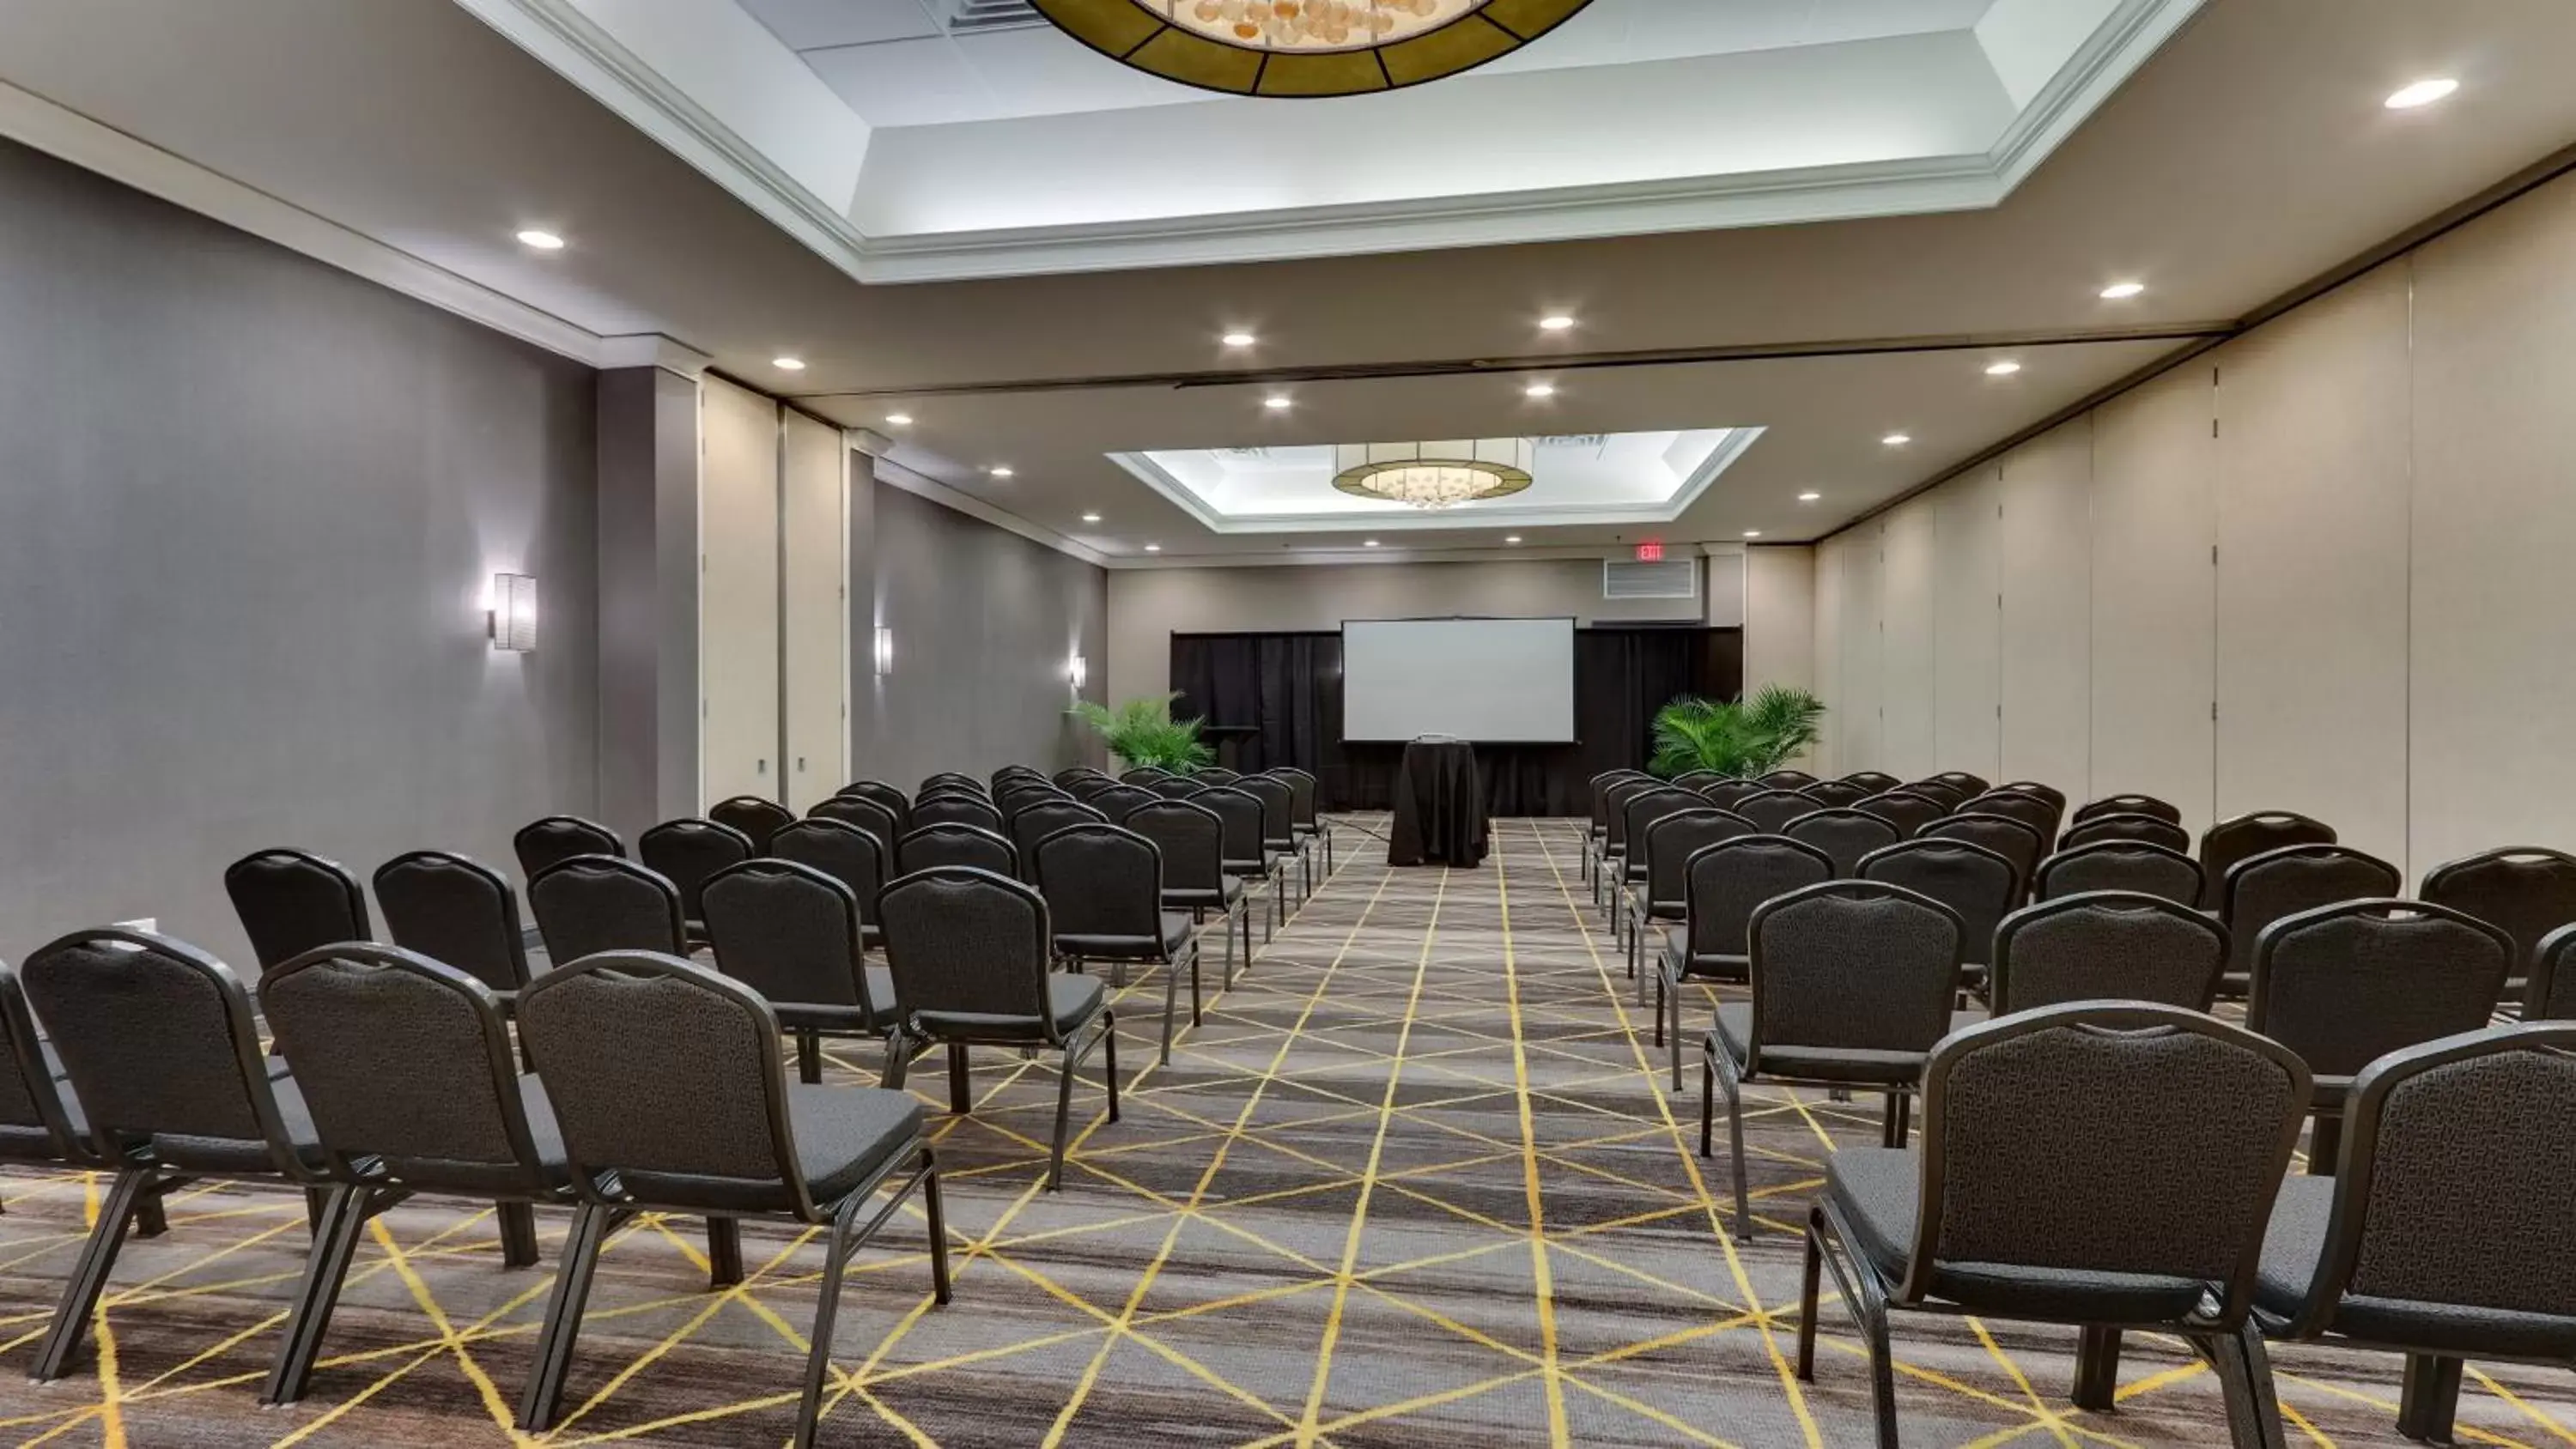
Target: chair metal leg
{"x": 1172, "y": 1000}
{"x": 1109, "y": 1060}
{"x": 2097, "y": 1368}
{"x": 1735, "y": 1146}
{"x": 1063, "y": 1115}
{"x": 151, "y": 1220}
{"x": 325, "y": 1269}
{"x": 724, "y": 1252}
{"x": 961, "y": 1092}
{"x": 1225, "y": 928}
{"x": 315, "y": 1199}
{"x": 898, "y": 1060}
{"x": 1882, "y": 1367}
{"x": 1809, "y": 1283}
{"x": 809, "y": 1056}
{"x": 2430, "y": 1399}
{"x": 2325, "y": 1144}
{"x": 940, "y": 1288}
{"x": 1867, "y": 1301}
{"x": 2245, "y": 1378}
{"x": 1707, "y": 1103}
{"x": 89, "y": 1275}
{"x": 827, "y": 1308}
{"x": 518, "y": 1222}
{"x": 544, "y": 1395}
{"x": 1900, "y": 1114}
{"x": 1198, "y": 952}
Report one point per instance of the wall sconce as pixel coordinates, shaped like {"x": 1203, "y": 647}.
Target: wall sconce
{"x": 1079, "y": 671}
{"x": 512, "y": 618}
{"x": 885, "y": 650}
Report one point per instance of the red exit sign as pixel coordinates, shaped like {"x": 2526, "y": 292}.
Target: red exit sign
{"x": 1651, "y": 551}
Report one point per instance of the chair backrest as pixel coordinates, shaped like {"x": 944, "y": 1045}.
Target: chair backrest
{"x": 2049, "y": 793}
{"x": 406, "y": 1058}
{"x": 2458, "y": 1180}
{"x": 860, "y": 812}
{"x": 1144, "y": 775}
{"x": 2345, "y": 984}
{"x": 1278, "y": 807}
{"x": 1009, "y": 774}
{"x": 2106, "y": 1137}
{"x": 1041, "y": 820}
{"x": 2550, "y": 993}
{"x": 595, "y": 903}
{"x": 1835, "y": 792}
{"x": 789, "y": 932}
{"x": 1961, "y": 780}
{"x": 2264, "y": 888}
{"x": 1614, "y": 800}
{"x": 2031, "y": 810}
{"x": 158, "y": 1040}
{"x": 2242, "y": 836}
{"x": 1217, "y": 775}
{"x": 1175, "y": 787}
{"x": 1073, "y": 775}
{"x": 1101, "y": 880}
{"x": 2106, "y": 946}
{"x": 1727, "y": 882}
{"x": 686, "y": 852}
{"x": 966, "y": 942}
{"x": 669, "y": 1076}
{"x": 2121, "y": 865}
{"x": 2524, "y": 889}
{"x": 1788, "y": 780}
{"x": 956, "y": 809}
{"x": 886, "y": 797}
{"x": 1979, "y": 885}
{"x": 1724, "y": 794}
{"x": 1693, "y": 779}
{"x": 1244, "y": 817}
{"x": 2128, "y": 804}
{"x": 2012, "y": 839}
{"x": 35, "y": 1124}
{"x": 1190, "y": 838}
{"x": 949, "y": 778}
{"x": 1905, "y": 809}
{"x": 955, "y": 843}
{"x": 1303, "y": 792}
{"x": 290, "y": 901}
{"x": 1021, "y": 795}
{"x": 1876, "y": 782}
{"x": 1639, "y": 812}
{"x": 1853, "y": 965}
{"x": 2150, "y": 829}
{"x": 1843, "y": 834}
{"x": 846, "y": 853}
{"x": 561, "y": 837}
{"x": 1118, "y": 801}
{"x": 1087, "y": 788}
{"x": 1772, "y": 809}
{"x": 756, "y": 818}
{"x": 457, "y": 912}
{"x": 1668, "y": 845}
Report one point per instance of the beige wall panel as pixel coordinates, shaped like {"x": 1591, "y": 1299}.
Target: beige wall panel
{"x": 1863, "y": 640}
{"x": 1908, "y": 555}
{"x": 2153, "y": 597}
{"x": 2045, "y": 561}
{"x": 2494, "y": 609}
{"x": 1967, "y": 627}
{"x": 1828, "y": 667}
{"x": 1780, "y": 617}
{"x": 815, "y": 549}
{"x": 2312, "y": 524}
{"x": 738, "y": 600}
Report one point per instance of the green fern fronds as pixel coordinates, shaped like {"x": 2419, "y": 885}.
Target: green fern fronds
{"x": 1142, "y": 732}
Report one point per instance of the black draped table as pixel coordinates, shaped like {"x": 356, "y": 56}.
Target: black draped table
{"x": 1439, "y": 806}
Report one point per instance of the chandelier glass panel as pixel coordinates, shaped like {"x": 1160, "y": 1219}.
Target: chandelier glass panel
{"x": 1305, "y": 47}
{"x": 1436, "y": 474}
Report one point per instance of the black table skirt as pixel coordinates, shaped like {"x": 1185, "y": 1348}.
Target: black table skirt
{"x": 1439, "y": 806}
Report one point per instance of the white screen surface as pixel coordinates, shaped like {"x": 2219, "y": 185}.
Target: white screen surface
{"x": 1493, "y": 681}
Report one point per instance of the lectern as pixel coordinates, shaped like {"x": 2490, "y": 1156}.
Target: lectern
{"x": 1439, "y": 805}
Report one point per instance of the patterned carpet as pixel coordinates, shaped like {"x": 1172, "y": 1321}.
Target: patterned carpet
{"x": 1415, "y": 1182}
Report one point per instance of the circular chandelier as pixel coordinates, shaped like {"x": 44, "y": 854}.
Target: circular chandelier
{"x": 1434, "y": 475}
{"x": 1305, "y": 47}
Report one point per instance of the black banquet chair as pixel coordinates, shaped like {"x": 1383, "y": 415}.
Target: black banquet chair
{"x": 459, "y": 913}
{"x": 1874, "y": 782}
{"x": 670, "y": 1090}
{"x": 1852, "y": 984}
{"x": 1104, "y": 892}
{"x": 2550, "y": 991}
{"x": 1663, "y": 895}
{"x": 2150, "y": 829}
{"x": 1906, "y": 810}
{"x": 2106, "y": 946}
{"x": 2129, "y": 804}
{"x": 540, "y": 843}
{"x": 2012, "y": 839}
{"x": 859, "y": 812}
{"x": 1191, "y": 839}
{"x": 2039, "y": 814}
{"x": 848, "y": 854}
{"x": 1725, "y": 883}
{"x": 1981, "y": 886}
{"x": 2264, "y": 888}
{"x": 1120, "y": 801}
{"x": 1638, "y": 813}
{"x": 756, "y": 818}
{"x": 1042, "y": 819}
{"x": 686, "y": 852}
{"x": 2238, "y": 837}
{"x": 956, "y": 843}
{"x": 1961, "y": 781}
{"x": 2111, "y": 1165}
{"x": 2526, "y": 890}
{"x": 960, "y": 809}
{"x": 1724, "y": 793}
{"x": 1609, "y": 859}
{"x": 969, "y": 950}
{"x": 41, "y": 1118}
{"x": 1844, "y": 835}
{"x": 1772, "y": 809}
{"x": 2121, "y": 865}
{"x": 290, "y": 901}
{"x": 595, "y": 903}
{"x": 792, "y": 933}
{"x": 886, "y": 797}
{"x": 1248, "y": 856}
{"x": 1835, "y": 792}
{"x": 1788, "y": 780}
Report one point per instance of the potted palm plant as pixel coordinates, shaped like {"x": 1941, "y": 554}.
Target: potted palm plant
{"x": 1142, "y": 732}
{"x": 1738, "y": 738}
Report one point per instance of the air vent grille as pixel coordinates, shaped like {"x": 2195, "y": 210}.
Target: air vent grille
{"x": 972, "y": 17}
{"x": 1672, "y": 578}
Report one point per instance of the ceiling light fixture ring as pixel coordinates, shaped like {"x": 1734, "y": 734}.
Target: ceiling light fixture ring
{"x": 1305, "y": 48}
{"x": 1435, "y": 475}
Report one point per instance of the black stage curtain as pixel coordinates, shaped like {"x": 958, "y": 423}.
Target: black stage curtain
{"x": 1288, "y": 689}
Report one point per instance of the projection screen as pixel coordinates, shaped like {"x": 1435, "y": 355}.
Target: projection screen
{"x": 1493, "y": 681}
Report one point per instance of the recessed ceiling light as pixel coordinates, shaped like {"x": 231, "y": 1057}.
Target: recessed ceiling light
{"x": 1000, "y": 471}
{"x": 1238, "y": 339}
{"x": 1511, "y": 538}
{"x": 1277, "y": 402}
{"x": 1153, "y": 548}
{"x": 1368, "y": 543}
{"x": 2421, "y": 93}
{"x": 544, "y": 241}
{"x": 1897, "y": 440}
{"x": 1539, "y": 389}
{"x": 2122, "y": 291}
{"x": 899, "y": 420}
{"x": 1091, "y": 518}
{"x": 788, "y": 364}
{"x": 2005, "y": 368}
{"x": 1556, "y": 322}
{"x": 1809, "y": 497}
{"x": 1753, "y": 533}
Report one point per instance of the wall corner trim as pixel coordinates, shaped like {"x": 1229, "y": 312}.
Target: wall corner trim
{"x": 652, "y": 349}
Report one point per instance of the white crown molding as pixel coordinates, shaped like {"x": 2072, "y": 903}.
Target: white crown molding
{"x": 60, "y": 131}
{"x": 652, "y": 349}
{"x": 2100, "y": 66}
{"x": 868, "y": 441}
{"x": 889, "y": 471}
{"x": 1338, "y": 557}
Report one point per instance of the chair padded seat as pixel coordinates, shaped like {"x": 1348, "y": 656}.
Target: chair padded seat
{"x": 35, "y": 1144}
{"x": 248, "y": 1155}
{"x": 1221, "y": 897}
{"x": 1175, "y": 935}
{"x": 1072, "y": 1000}
{"x": 844, "y": 1134}
{"x": 1823, "y": 1064}
{"x": 1878, "y": 1190}
{"x": 2297, "y": 1235}
{"x": 842, "y": 1016}
{"x": 1679, "y": 961}
{"x": 1268, "y": 862}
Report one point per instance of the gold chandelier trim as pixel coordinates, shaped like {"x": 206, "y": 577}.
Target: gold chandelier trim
{"x": 1136, "y": 33}
{"x": 1435, "y": 475}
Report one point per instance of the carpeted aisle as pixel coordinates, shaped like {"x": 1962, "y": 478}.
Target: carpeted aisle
{"x": 1415, "y": 1182}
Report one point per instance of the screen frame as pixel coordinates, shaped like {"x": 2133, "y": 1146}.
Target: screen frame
{"x": 1573, "y": 627}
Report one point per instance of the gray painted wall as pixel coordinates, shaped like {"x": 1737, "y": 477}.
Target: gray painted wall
{"x": 249, "y": 507}
{"x": 984, "y": 623}
{"x": 648, "y": 598}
